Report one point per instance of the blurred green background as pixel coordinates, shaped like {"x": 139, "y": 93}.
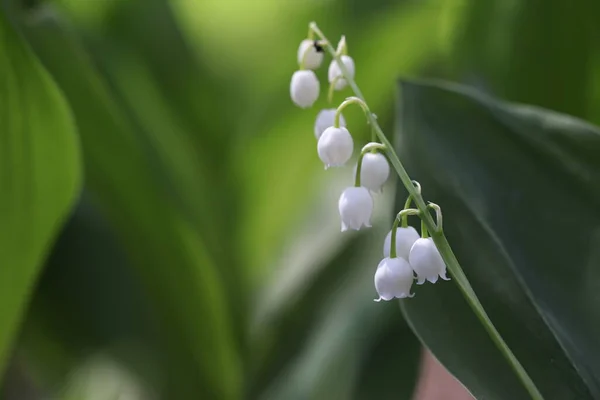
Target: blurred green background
{"x": 195, "y": 251}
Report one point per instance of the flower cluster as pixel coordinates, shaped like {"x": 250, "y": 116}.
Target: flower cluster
{"x": 412, "y": 256}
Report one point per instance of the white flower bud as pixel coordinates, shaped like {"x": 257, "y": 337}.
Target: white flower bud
{"x": 334, "y": 71}
{"x": 405, "y": 238}
{"x": 355, "y": 206}
{"x": 393, "y": 279}
{"x": 304, "y": 88}
{"x": 374, "y": 171}
{"x": 335, "y": 146}
{"x": 309, "y": 54}
{"x": 426, "y": 261}
{"x": 325, "y": 119}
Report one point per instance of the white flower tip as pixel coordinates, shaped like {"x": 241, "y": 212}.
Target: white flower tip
{"x": 444, "y": 277}
{"x": 420, "y": 281}
{"x": 304, "y": 88}
{"x": 377, "y": 300}
{"x": 308, "y": 55}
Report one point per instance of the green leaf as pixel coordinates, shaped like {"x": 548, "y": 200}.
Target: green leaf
{"x": 131, "y": 187}
{"x": 518, "y": 187}
{"x": 39, "y": 175}
{"x": 529, "y": 51}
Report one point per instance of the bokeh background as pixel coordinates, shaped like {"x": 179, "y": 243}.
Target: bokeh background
{"x": 203, "y": 257}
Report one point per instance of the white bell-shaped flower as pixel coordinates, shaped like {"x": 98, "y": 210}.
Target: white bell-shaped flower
{"x": 304, "y": 88}
{"x": 308, "y": 53}
{"x": 374, "y": 171}
{"x": 334, "y": 71}
{"x": 393, "y": 279}
{"x": 405, "y": 238}
{"x": 335, "y": 146}
{"x": 356, "y": 207}
{"x": 426, "y": 261}
{"x": 325, "y": 119}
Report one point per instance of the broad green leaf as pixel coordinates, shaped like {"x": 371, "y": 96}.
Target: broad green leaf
{"x": 529, "y": 51}
{"x": 519, "y": 189}
{"x": 40, "y": 174}
{"x": 164, "y": 246}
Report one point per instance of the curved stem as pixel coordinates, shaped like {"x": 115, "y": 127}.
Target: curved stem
{"x": 438, "y": 237}
{"x": 346, "y": 103}
{"x": 358, "y": 168}
{"x": 408, "y": 202}
{"x": 373, "y": 146}
{"x": 331, "y": 90}
{"x": 402, "y": 215}
{"x": 438, "y": 216}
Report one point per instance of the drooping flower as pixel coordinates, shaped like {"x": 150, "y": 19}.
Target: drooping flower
{"x": 393, "y": 279}
{"x": 425, "y": 259}
{"x": 374, "y": 171}
{"x": 335, "y": 146}
{"x": 304, "y": 88}
{"x": 335, "y": 71}
{"x": 355, "y": 206}
{"x": 308, "y": 56}
{"x": 405, "y": 238}
{"x": 325, "y": 119}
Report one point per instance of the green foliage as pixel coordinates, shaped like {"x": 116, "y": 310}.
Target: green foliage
{"x": 204, "y": 258}
{"x": 518, "y": 185}
{"x": 39, "y": 175}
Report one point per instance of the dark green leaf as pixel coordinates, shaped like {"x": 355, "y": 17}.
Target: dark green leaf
{"x": 39, "y": 174}
{"x": 520, "y": 194}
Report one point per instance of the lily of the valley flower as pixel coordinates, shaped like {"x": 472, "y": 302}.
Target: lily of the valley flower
{"x": 355, "y": 206}
{"x": 405, "y": 238}
{"x": 393, "y": 279}
{"x": 335, "y": 146}
{"x": 308, "y": 56}
{"x": 325, "y": 119}
{"x": 334, "y": 73}
{"x": 426, "y": 261}
{"x": 304, "y": 88}
{"x": 374, "y": 171}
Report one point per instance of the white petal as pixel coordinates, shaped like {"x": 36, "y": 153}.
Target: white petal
{"x": 334, "y": 71}
{"x": 325, "y": 119}
{"x": 304, "y": 88}
{"x": 393, "y": 279}
{"x": 355, "y": 207}
{"x": 426, "y": 261}
{"x": 374, "y": 171}
{"x": 405, "y": 238}
{"x": 307, "y": 52}
{"x": 335, "y": 146}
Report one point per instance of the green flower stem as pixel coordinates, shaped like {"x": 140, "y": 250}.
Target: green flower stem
{"x": 346, "y": 103}
{"x": 402, "y": 216}
{"x": 437, "y": 235}
{"x": 331, "y": 90}
{"x": 368, "y": 148}
{"x": 424, "y": 231}
{"x": 408, "y": 202}
{"x": 439, "y": 227}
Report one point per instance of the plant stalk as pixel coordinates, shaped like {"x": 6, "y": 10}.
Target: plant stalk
{"x": 438, "y": 236}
